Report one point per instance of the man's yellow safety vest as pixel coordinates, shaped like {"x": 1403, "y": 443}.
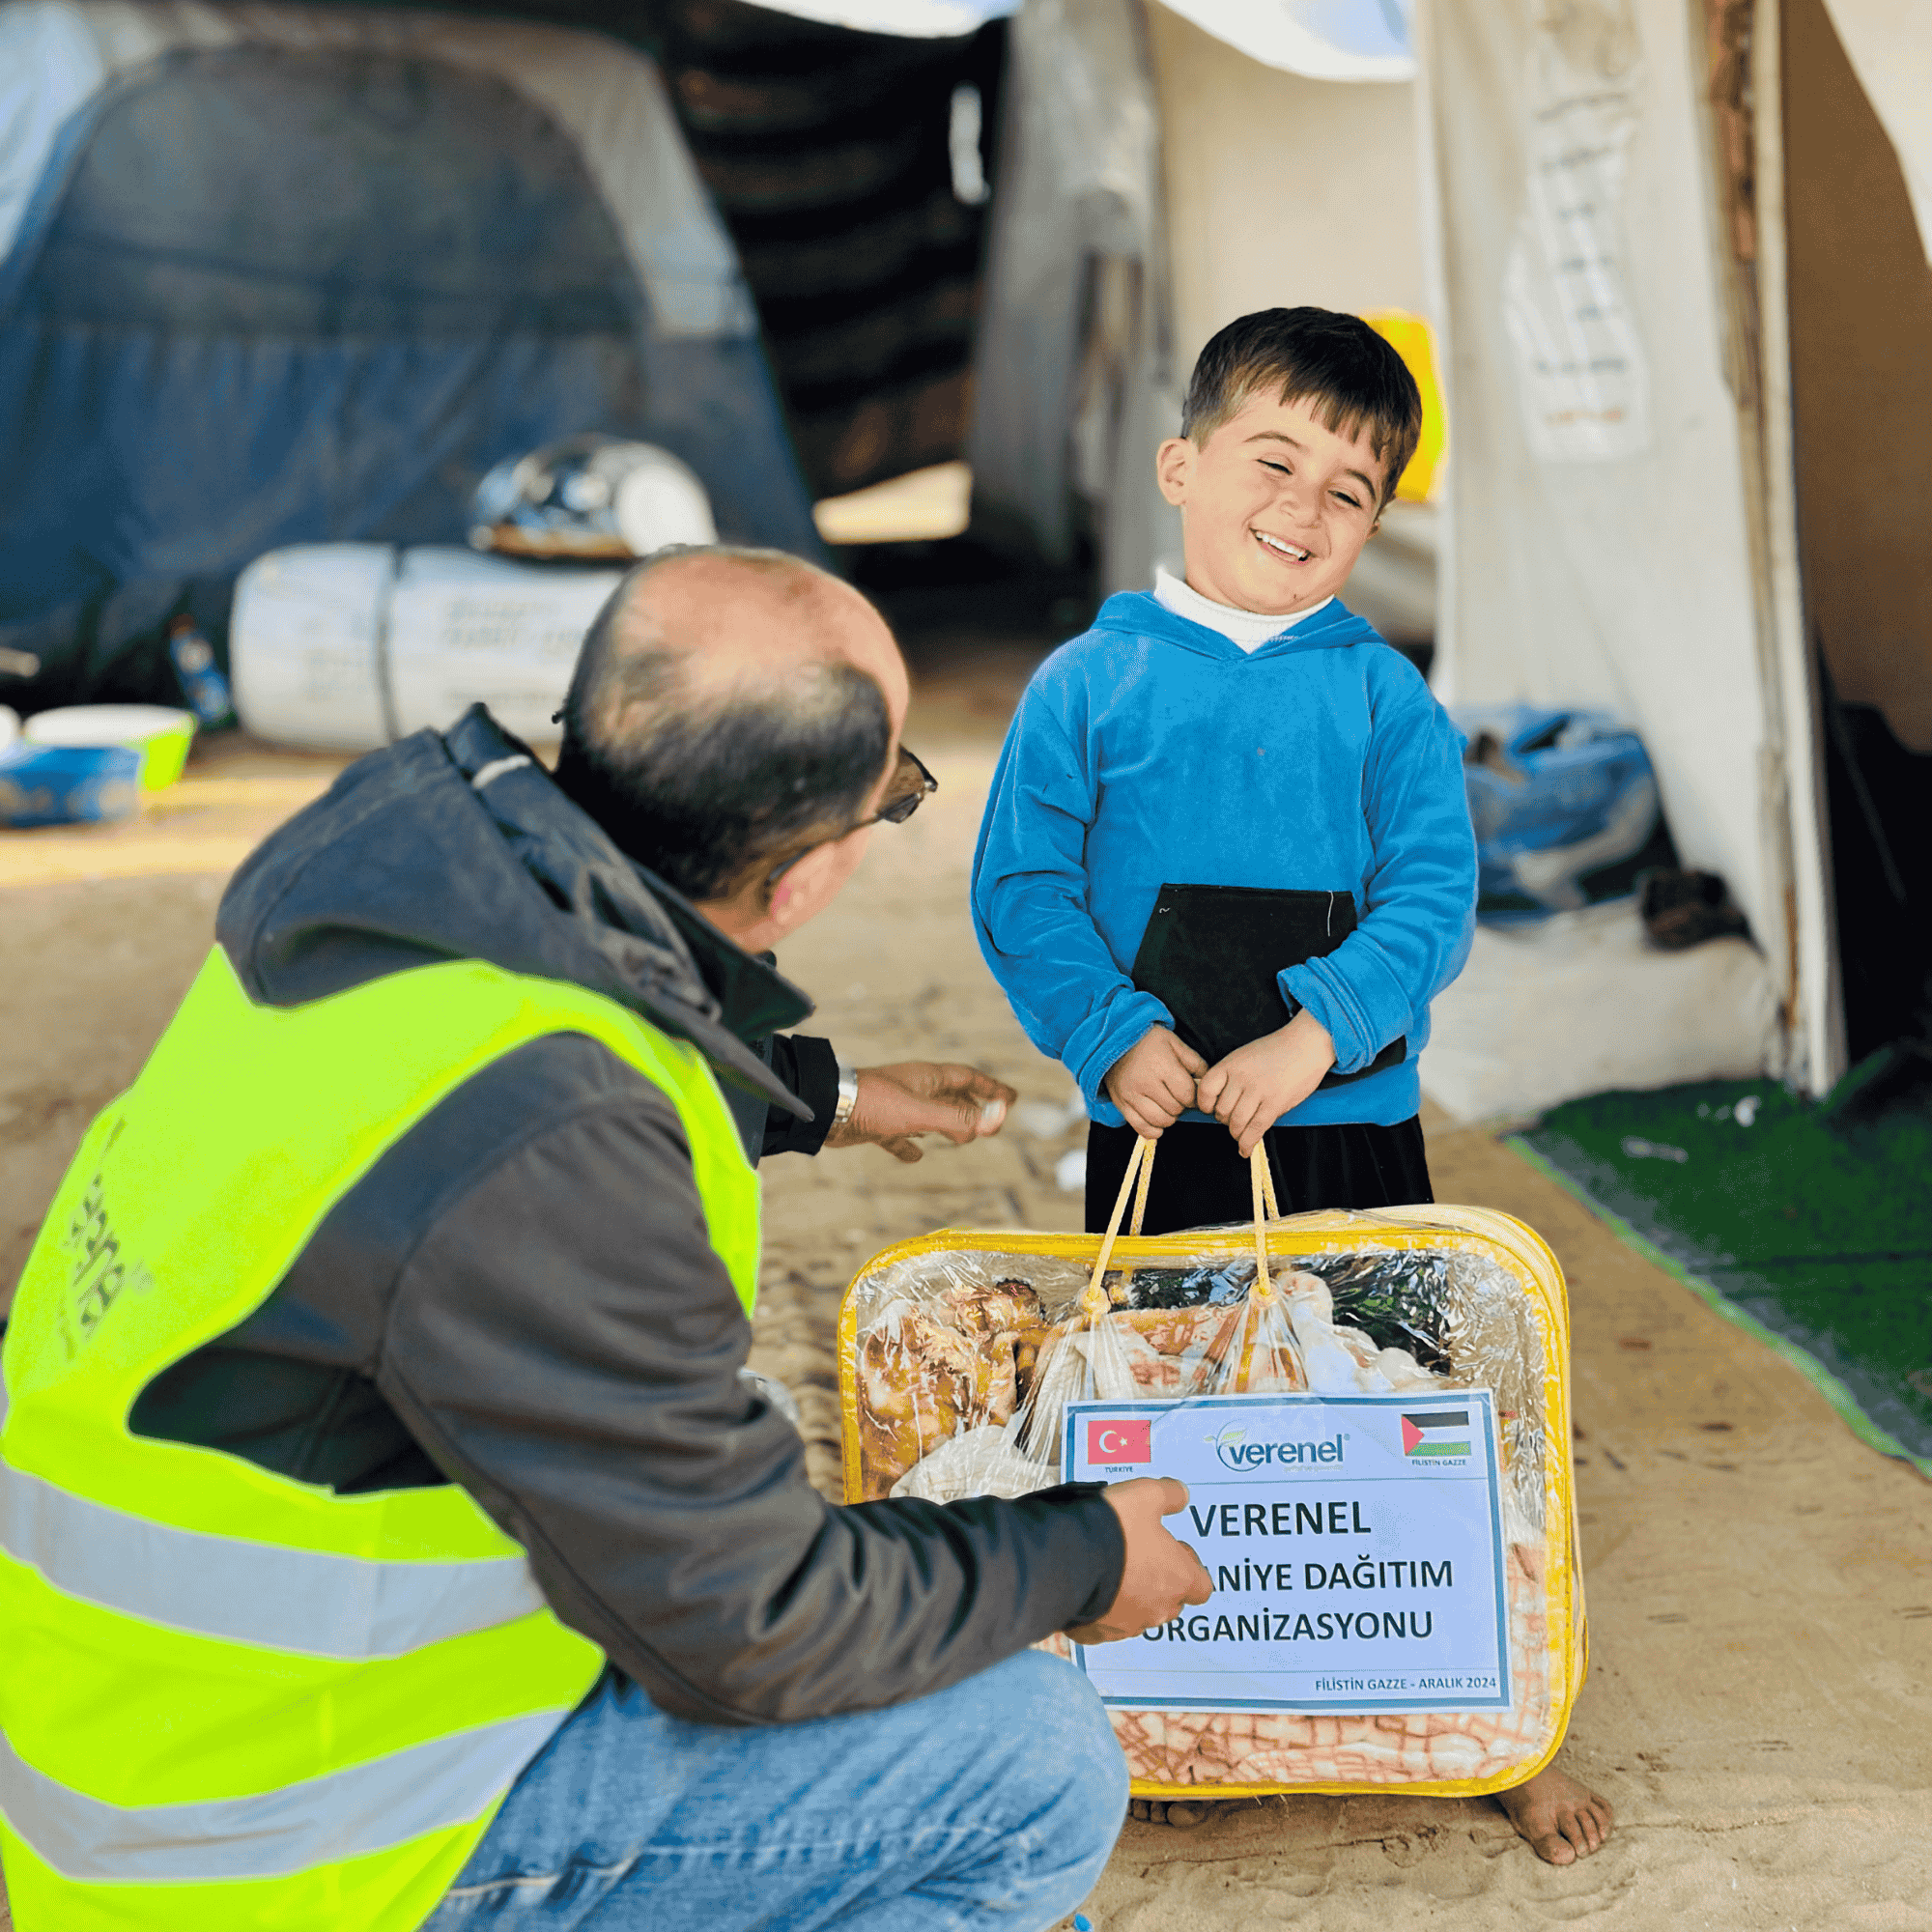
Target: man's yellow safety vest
{"x": 229, "y": 1698}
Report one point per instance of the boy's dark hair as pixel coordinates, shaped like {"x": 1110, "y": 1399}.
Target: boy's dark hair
{"x": 707, "y": 784}
{"x": 1350, "y": 377}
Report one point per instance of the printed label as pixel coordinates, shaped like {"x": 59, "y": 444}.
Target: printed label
{"x": 1355, "y": 1543}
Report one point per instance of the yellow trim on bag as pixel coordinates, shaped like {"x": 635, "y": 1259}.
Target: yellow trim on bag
{"x": 1437, "y": 1226}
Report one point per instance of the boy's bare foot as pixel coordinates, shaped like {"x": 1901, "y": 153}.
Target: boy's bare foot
{"x": 1180, "y": 1813}
{"x": 1562, "y": 1820}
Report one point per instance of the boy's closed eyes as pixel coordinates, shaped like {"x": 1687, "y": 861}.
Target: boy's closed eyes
{"x": 1275, "y": 503}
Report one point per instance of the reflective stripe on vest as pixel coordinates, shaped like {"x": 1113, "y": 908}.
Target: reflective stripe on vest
{"x": 231, "y": 1698}
{"x": 257, "y": 1592}
{"x": 384, "y": 1803}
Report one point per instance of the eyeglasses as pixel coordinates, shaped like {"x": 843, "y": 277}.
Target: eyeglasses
{"x": 905, "y": 790}
{"x": 909, "y": 785}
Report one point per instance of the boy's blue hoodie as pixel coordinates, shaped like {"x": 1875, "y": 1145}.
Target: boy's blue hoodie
{"x": 1153, "y": 749}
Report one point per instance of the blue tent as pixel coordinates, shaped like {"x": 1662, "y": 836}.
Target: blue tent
{"x": 274, "y": 277}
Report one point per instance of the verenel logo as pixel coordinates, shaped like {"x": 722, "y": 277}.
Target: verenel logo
{"x": 1435, "y": 1432}
{"x": 1233, "y": 1447}
{"x": 1119, "y": 1442}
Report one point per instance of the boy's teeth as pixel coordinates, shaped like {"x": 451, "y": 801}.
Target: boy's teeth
{"x": 1286, "y": 550}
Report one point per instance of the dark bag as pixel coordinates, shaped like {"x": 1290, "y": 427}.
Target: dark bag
{"x": 1211, "y": 954}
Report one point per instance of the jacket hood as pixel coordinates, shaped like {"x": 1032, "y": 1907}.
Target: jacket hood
{"x": 458, "y": 845}
{"x": 1139, "y": 613}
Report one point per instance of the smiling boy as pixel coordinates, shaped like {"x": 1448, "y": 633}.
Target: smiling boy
{"x": 1227, "y": 863}
{"x": 1227, "y": 859}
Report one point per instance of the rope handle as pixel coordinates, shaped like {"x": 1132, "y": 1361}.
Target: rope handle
{"x": 1136, "y": 1182}
{"x": 1140, "y": 1172}
{"x": 1260, "y": 1182}
{"x": 1140, "y": 1192}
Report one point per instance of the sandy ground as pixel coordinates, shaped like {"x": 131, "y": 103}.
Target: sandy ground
{"x": 1760, "y": 1585}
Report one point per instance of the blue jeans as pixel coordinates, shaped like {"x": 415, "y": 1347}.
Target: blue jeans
{"x": 993, "y": 1803}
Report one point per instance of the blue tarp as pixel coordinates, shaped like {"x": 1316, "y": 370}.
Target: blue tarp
{"x": 265, "y": 296}
{"x": 1564, "y": 804}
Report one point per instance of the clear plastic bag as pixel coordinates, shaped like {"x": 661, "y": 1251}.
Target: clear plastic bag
{"x": 959, "y": 1352}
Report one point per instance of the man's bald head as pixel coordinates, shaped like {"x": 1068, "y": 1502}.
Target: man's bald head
{"x": 731, "y": 709}
{"x": 746, "y": 618}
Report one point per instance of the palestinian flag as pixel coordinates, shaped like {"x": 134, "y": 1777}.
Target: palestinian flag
{"x": 1435, "y": 1432}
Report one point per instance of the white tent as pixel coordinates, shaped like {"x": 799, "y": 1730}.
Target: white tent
{"x": 1675, "y": 255}
{"x": 1599, "y": 550}
{"x": 1685, "y": 321}
{"x": 1673, "y": 476}
{"x": 1165, "y": 169}
{"x": 1685, "y": 348}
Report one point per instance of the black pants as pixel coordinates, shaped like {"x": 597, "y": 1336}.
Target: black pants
{"x": 1199, "y": 1180}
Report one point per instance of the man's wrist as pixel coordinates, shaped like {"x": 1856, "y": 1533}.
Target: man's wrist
{"x": 849, "y": 1095}
{"x": 808, "y": 1066}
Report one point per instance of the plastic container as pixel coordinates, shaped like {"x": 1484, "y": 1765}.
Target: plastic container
{"x": 304, "y": 641}
{"x": 158, "y": 735}
{"x": 1420, "y": 1345}
{"x": 202, "y": 680}
{"x": 465, "y": 628}
{"x": 67, "y": 784}
{"x": 349, "y": 646}
{"x": 590, "y": 496}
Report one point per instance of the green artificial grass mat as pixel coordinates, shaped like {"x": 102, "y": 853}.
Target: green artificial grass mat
{"x": 1808, "y": 1223}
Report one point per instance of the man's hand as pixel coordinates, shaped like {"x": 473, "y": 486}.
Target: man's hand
{"x": 922, "y": 1096}
{"x": 1256, "y": 1084}
{"x": 1153, "y": 1082}
{"x": 1162, "y": 1576}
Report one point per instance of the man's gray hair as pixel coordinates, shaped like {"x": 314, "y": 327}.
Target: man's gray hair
{"x": 706, "y": 781}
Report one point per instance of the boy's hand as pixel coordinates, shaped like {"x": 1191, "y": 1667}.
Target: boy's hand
{"x": 1256, "y": 1084}
{"x": 1153, "y": 1082}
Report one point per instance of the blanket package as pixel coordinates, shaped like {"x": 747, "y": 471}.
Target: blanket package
{"x": 1372, "y": 1413}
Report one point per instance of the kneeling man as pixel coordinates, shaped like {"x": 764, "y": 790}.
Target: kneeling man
{"x": 391, "y": 1540}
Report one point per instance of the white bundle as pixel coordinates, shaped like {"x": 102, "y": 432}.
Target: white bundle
{"x": 976, "y": 1462}
{"x": 1341, "y": 1360}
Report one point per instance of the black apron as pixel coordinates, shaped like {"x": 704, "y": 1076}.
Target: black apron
{"x": 1211, "y": 954}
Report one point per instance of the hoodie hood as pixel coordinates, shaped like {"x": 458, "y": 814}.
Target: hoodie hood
{"x": 458, "y": 845}
{"x": 1139, "y": 613}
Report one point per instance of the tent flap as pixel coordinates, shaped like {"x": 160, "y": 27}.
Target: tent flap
{"x": 1890, "y": 43}
{"x": 1070, "y": 369}
{"x": 1622, "y": 582}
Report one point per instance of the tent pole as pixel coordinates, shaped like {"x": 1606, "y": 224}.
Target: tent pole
{"x": 1816, "y": 1003}
{"x": 1721, "y": 60}
{"x": 1435, "y": 291}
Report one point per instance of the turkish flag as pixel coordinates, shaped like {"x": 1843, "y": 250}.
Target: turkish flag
{"x": 1119, "y": 1442}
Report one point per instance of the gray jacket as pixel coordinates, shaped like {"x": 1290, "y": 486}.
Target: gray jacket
{"x": 520, "y": 1295}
